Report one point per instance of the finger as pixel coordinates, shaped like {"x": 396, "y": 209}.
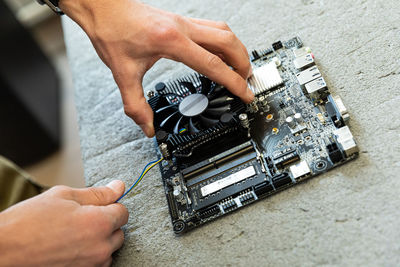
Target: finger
{"x": 137, "y": 108}
{"x": 211, "y": 23}
{"x": 117, "y": 239}
{"x": 225, "y": 43}
{"x": 214, "y": 68}
{"x": 99, "y": 196}
{"x": 117, "y": 214}
{"x": 218, "y": 25}
{"x": 135, "y": 105}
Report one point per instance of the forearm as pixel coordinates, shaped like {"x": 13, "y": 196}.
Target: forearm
{"x": 130, "y": 37}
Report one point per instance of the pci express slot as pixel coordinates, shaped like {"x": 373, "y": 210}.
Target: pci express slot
{"x": 219, "y": 159}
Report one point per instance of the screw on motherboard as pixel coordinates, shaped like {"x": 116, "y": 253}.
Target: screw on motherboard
{"x": 244, "y": 120}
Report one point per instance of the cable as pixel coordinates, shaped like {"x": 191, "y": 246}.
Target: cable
{"x": 147, "y": 168}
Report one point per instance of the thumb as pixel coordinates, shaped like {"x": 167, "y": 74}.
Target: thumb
{"x": 100, "y": 196}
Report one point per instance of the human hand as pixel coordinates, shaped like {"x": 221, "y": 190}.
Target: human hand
{"x": 64, "y": 226}
{"x": 130, "y": 37}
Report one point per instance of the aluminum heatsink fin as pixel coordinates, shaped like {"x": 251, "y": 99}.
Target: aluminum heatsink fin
{"x": 265, "y": 78}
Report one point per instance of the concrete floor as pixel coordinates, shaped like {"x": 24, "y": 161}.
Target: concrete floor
{"x": 346, "y": 217}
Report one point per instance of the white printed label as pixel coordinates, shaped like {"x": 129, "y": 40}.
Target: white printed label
{"x": 227, "y": 181}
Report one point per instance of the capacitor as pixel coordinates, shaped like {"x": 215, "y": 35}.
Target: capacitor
{"x": 160, "y": 87}
{"x": 290, "y": 122}
{"x": 298, "y": 118}
{"x": 244, "y": 120}
{"x": 321, "y": 118}
{"x": 164, "y": 150}
{"x": 277, "y": 61}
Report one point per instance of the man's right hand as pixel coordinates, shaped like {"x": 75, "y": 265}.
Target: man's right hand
{"x": 130, "y": 37}
{"x": 64, "y": 226}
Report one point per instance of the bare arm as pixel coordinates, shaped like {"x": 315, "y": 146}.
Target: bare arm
{"x": 130, "y": 37}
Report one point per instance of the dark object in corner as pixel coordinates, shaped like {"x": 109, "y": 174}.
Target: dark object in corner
{"x": 29, "y": 95}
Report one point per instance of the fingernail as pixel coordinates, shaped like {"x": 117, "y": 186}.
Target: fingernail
{"x": 115, "y": 185}
{"x": 148, "y": 129}
{"x": 250, "y": 95}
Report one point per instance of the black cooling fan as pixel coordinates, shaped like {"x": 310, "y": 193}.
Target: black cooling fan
{"x": 195, "y": 109}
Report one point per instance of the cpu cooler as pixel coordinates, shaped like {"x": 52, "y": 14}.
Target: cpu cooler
{"x": 194, "y": 111}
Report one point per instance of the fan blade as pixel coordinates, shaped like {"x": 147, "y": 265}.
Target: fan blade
{"x": 189, "y": 86}
{"x": 208, "y": 122}
{"x": 217, "y": 112}
{"x": 223, "y": 100}
{"x": 166, "y": 107}
{"x": 162, "y": 124}
{"x": 216, "y": 90}
{"x": 205, "y": 85}
{"x": 176, "y": 128}
{"x": 192, "y": 128}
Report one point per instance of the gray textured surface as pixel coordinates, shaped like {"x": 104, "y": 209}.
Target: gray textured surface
{"x": 349, "y": 216}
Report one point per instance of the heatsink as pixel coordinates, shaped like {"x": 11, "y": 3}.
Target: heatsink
{"x": 265, "y": 78}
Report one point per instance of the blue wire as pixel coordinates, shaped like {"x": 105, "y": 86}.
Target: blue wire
{"x": 134, "y": 184}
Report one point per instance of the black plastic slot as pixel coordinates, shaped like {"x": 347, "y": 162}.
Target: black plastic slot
{"x": 211, "y": 211}
{"x": 333, "y": 112}
{"x": 277, "y": 45}
{"x": 263, "y": 188}
{"x": 281, "y": 180}
{"x": 286, "y": 158}
{"x": 220, "y": 169}
{"x": 208, "y": 164}
{"x": 334, "y": 153}
{"x": 230, "y": 191}
{"x": 172, "y": 206}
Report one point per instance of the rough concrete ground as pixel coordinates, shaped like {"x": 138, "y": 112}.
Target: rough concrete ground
{"x": 348, "y": 216}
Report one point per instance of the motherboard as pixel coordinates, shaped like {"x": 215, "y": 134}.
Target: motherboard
{"x": 221, "y": 154}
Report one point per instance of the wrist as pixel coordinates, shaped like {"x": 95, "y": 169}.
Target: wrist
{"x": 85, "y": 12}
{"x": 77, "y": 10}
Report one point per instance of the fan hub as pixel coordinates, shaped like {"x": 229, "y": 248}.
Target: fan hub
{"x": 193, "y": 105}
